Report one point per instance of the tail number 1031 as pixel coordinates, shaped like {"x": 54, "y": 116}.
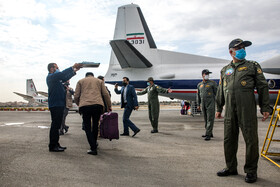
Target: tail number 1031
{"x": 137, "y": 41}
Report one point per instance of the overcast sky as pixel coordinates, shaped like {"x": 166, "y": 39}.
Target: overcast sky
{"x": 34, "y": 33}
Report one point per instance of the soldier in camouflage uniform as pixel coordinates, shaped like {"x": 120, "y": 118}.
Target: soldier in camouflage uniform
{"x": 153, "y": 102}
{"x": 206, "y": 92}
{"x": 236, "y": 91}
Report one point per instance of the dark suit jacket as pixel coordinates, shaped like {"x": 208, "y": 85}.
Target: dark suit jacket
{"x": 131, "y": 96}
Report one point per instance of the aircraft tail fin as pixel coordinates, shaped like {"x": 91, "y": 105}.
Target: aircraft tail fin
{"x": 132, "y": 34}
{"x": 30, "y": 88}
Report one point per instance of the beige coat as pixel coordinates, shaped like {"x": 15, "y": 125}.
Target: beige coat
{"x": 89, "y": 91}
{"x": 69, "y": 99}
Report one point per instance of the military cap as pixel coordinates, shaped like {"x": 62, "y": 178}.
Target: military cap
{"x": 206, "y": 71}
{"x": 236, "y": 42}
{"x": 150, "y": 79}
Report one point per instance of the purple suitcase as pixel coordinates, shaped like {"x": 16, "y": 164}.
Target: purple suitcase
{"x": 109, "y": 128}
{"x": 183, "y": 111}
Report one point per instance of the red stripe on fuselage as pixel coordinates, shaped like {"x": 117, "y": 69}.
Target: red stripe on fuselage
{"x": 174, "y": 91}
{"x": 194, "y": 91}
{"x": 135, "y": 38}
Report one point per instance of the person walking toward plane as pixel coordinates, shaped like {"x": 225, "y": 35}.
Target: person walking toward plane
{"x": 206, "y": 92}
{"x": 69, "y": 104}
{"x": 153, "y": 103}
{"x": 129, "y": 102}
{"x": 236, "y": 91}
{"x": 102, "y": 78}
{"x": 88, "y": 96}
{"x": 57, "y": 99}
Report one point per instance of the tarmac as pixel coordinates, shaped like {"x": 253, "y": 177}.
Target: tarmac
{"x": 176, "y": 156}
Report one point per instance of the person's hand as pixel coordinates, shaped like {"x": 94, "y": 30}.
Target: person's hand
{"x": 169, "y": 90}
{"x": 219, "y": 115}
{"x": 265, "y": 116}
{"x": 116, "y": 85}
{"x": 77, "y": 66}
{"x": 136, "y": 107}
{"x": 110, "y": 109}
{"x": 198, "y": 107}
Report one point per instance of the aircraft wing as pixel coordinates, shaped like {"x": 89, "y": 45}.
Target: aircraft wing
{"x": 271, "y": 65}
{"x": 26, "y": 97}
{"x": 128, "y": 56}
{"x": 43, "y": 93}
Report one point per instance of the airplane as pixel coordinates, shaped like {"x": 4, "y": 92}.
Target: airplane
{"x": 33, "y": 97}
{"x": 135, "y": 55}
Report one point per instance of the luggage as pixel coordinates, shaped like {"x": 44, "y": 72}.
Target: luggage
{"x": 109, "y": 128}
{"x": 183, "y": 111}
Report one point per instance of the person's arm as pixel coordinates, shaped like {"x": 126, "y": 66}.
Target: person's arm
{"x": 135, "y": 101}
{"x": 161, "y": 90}
{"x": 77, "y": 93}
{"x": 116, "y": 89}
{"x": 71, "y": 90}
{"x": 215, "y": 88}
{"x": 65, "y": 74}
{"x": 198, "y": 99}
{"x": 263, "y": 92}
{"x": 143, "y": 91}
{"x": 106, "y": 97}
{"x": 220, "y": 98}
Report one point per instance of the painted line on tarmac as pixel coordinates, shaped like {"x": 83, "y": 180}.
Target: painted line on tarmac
{"x": 21, "y": 124}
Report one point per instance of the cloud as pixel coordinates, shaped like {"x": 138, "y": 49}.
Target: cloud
{"x": 35, "y": 33}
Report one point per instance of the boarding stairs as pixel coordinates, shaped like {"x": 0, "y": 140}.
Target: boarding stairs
{"x": 266, "y": 149}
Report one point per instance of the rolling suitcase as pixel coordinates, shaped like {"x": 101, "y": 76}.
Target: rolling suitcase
{"x": 109, "y": 128}
{"x": 183, "y": 111}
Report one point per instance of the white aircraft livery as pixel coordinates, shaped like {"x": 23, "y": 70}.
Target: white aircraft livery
{"x": 135, "y": 55}
{"x": 32, "y": 95}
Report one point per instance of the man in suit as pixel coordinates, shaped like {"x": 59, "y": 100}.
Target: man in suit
{"x": 57, "y": 100}
{"x": 128, "y": 102}
{"x": 88, "y": 96}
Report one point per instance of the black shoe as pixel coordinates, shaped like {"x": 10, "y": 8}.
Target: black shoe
{"x": 135, "y": 132}
{"x": 56, "y": 149}
{"x": 154, "y": 131}
{"x": 62, "y": 147}
{"x": 251, "y": 177}
{"x": 66, "y": 128}
{"x": 207, "y": 138}
{"x": 83, "y": 127}
{"x": 226, "y": 172}
{"x": 92, "y": 152}
{"x": 204, "y": 136}
{"x": 124, "y": 134}
{"x": 61, "y": 132}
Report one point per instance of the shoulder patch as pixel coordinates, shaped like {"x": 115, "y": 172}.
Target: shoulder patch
{"x": 229, "y": 71}
{"x": 242, "y": 69}
{"x": 243, "y": 83}
{"x": 259, "y": 70}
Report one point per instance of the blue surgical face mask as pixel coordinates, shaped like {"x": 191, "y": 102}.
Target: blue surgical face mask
{"x": 240, "y": 54}
{"x": 57, "y": 70}
{"x": 148, "y": 83}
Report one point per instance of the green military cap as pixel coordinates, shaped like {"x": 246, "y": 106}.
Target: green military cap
{"x": 236, "y": 42}
{"x": 150, "y": 79}
{"x": 206, "y": 71}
